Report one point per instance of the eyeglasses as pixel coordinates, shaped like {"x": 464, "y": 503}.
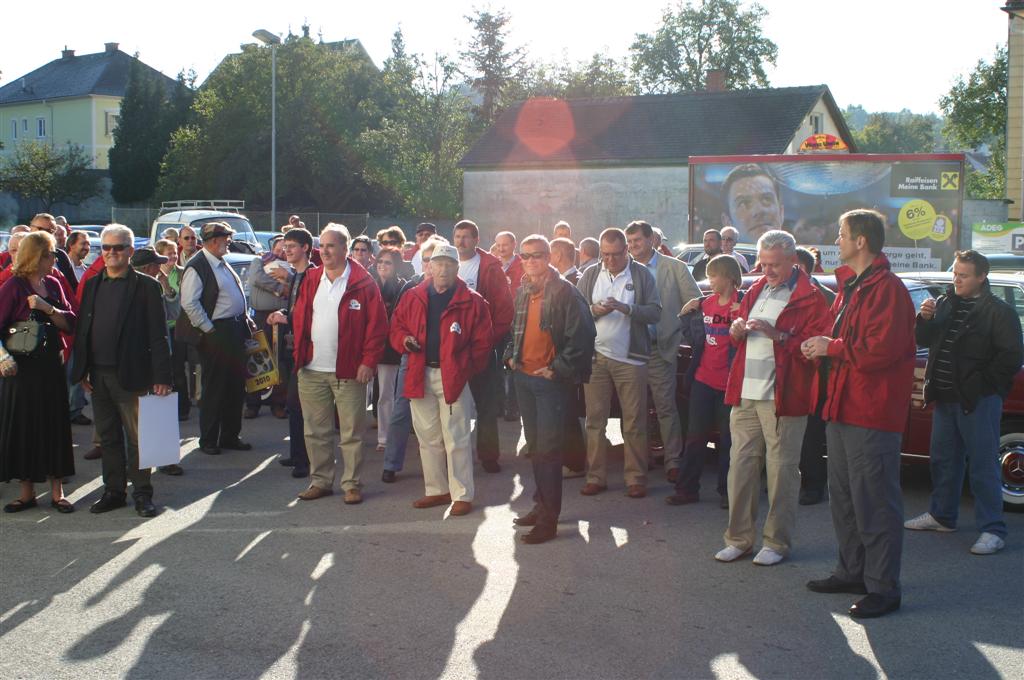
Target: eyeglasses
{"x": 533, "y": 256}
{"x": 390, "y": 243}
{"x": 116, "y": 247}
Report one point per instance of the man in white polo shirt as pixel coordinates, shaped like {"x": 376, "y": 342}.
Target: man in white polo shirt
{"x": 623, "y": 298}
{"x": 770, "y": 393}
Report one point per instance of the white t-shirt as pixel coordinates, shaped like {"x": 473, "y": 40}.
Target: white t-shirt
{"x": 469, "y": 271}
{"x": 613, "y": 328}
{"x": 324, "y": 333}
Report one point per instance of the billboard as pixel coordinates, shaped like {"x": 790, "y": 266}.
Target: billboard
{"x": 921, "y": 196}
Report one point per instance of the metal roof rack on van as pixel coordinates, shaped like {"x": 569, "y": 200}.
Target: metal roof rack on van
{"x": 222, "y": 204}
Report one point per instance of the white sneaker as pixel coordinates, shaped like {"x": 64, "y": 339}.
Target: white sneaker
{"x": 926, "y": 522}
{"x": 730, "y": 553}
{"x": 987, "y": 544}
{"x": 569, "y": 473}
{"x": 766, "y": 557}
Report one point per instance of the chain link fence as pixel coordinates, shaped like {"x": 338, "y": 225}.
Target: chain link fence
{"x": 140, "y": 220}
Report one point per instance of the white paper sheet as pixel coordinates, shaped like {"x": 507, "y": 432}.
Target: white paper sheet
{"x": 158, "y": 431}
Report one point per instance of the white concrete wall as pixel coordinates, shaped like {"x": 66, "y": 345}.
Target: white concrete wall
{"x": 531, "y": 201}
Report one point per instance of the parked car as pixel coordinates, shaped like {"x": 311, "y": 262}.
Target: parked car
{"x": 692, "y": 252}
{"x": 917, "y": 435}
{"x": 195, "y": 214}
{"x": 1003, "y": 262}
{"x": 241, "y": 262}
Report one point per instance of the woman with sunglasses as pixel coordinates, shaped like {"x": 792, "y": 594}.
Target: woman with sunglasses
{"x": 35, "y": 428}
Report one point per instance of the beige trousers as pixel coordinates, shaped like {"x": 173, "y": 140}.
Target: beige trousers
{"x": 445, "y": 438}
{"x": 630, "y": 383}
{"x": 763, "y": 441}
{"x": 661, "y": 376}
{"x": 321, "y": 394}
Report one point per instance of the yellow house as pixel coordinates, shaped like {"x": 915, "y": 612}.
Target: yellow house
{"x": 74, "y": 99}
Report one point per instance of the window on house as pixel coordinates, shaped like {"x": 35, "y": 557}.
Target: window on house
{"x": 112, "y": 119}
{"x": 14, "y": 129}
{"x": 40, "y": 127}
{"x": 817, "y": 123}
{"x": 24, "y": 125}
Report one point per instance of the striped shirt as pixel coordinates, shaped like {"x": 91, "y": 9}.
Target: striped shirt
{"x": 759, "y": 369}
{"x": 943, "y": 373}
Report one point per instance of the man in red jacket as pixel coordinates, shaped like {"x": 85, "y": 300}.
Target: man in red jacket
{"x": 445, "y": 329}
{"x": 482, "y": 272}
{"x": 769, "y": 389}
{"x": 869, "y": 356}
{"x": 340, "y": 326}
{"x": 512, "y": 265}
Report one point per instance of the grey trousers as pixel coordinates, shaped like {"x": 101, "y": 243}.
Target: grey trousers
{"x": 867, "y": 505}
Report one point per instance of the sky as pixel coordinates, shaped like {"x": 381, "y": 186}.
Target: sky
{"x": 885, "y": 55}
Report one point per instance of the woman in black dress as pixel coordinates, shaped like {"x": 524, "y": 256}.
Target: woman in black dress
{"x": 35, "y": 431}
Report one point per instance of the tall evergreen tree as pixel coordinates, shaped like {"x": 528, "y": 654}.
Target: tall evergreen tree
{"x": 490, "y": 64}
{"x": 140, "y": 138}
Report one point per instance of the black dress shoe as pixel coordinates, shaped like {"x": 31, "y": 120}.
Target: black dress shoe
{"x": 527, "y": 520}
{"x": 388, "y": 476}
{"x": 682, "y": 499}
{"x": 237, "y": 445}
{"x": 287, "y": 462}
{"x": 109, "y": 501}
{"x": 144, "y": 506}
{"x": 172, "y": 470}
{"x": 300, "y": 472}
{"x": 835, "y": 585}
{"x": 873, "y": 606}
{"x": 210, "y": 450}
{"x": 491, "y": 466}
{"x": 811, "y": 496}
{"x": 539, "y": 535}
{"x": 81, "y": 419}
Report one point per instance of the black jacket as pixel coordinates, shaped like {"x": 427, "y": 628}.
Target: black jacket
{"x": 141, "y": 334}
{"x": 566, "y": 316}
{"x": 987, "y": 352}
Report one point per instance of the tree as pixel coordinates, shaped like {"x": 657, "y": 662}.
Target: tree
{"x": 37, "y": 170}
{"x": 694, "y": 39}
{"x": 325, "y": 99}
{"x": 600, "y": 76}
{"x": 414, "y": 154}
{"x": 975, "y": 112}
{"x": 492, "y": 67}
{"x": 902, "y": 132}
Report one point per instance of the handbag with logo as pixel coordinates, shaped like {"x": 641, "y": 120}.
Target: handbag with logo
{"x": 26, "y": 337}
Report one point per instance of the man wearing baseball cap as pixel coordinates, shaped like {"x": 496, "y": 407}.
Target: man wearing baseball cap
{"x": 444, "y": 328}
{"x": 214, "y": 319}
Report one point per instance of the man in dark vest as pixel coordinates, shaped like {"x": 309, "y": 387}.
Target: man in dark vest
{"x": 213, "y": 318}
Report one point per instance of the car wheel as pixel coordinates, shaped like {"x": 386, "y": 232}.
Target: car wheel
{"x": 1011, "y": 465}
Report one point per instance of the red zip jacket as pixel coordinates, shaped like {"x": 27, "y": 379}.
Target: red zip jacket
{"x": 494, "y": 287}
{"x": 465, "y": 338}
{"x": 362, "y": 322}
{"x": 872, "y": 358}
{"x": 805, "y": 316}
{"x": 514, "y": 276}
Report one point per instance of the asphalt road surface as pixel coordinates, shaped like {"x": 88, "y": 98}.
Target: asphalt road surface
{"x": 237, "y": 579}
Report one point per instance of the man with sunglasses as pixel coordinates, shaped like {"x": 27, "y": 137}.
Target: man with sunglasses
{"x": 188, "y": 244}
{"x": 121, "y": 353}
{"x": 624, "y": 300}
{"x": 214, "y": 319}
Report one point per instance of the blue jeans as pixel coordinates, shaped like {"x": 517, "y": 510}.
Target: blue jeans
{"x": 959, "y": 440}
{"x": 542, "y": 404}
{"x": 400, "y": 426}
{"x": 708, "y": 411}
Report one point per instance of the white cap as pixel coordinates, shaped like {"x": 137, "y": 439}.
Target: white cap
{"x": 445, "y": 250}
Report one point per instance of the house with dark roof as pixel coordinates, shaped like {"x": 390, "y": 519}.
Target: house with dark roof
{"x": 604, "y": 162}
{"x": 74, "y": 99}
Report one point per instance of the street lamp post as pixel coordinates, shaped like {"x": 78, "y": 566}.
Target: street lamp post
{"x": 268, "y": 38}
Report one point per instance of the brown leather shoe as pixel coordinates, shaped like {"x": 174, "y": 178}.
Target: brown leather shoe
{"x": 95, "y": 453}
{"x": 279, "y": 412}
{"x": 672, "y": 475}
{"x": 314, "y": 492}
{"x": 432, "y": 501}
{"x": 636, "y": 491}
{"x": 590, "y": 489}
{"x": 460, "y": 508}
{"x": 353, "y": 497}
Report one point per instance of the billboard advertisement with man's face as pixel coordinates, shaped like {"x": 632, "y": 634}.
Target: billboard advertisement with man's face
{"x": 921, "y": 196}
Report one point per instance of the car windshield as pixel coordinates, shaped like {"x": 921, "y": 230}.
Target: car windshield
{"x": 241, "y": 226}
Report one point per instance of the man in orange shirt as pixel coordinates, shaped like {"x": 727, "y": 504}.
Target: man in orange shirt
{"x": 551, "y": 352}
